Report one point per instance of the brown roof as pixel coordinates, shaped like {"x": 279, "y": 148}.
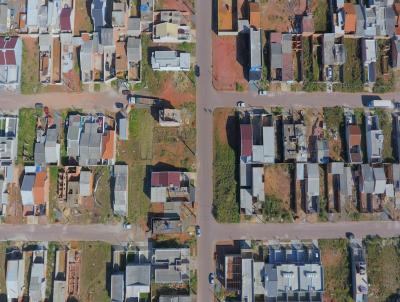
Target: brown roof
{"x": 255, "y": 15}
{"x": 108, "y": 145}
{"x": 350, "y": 18}
{"x": 354, "y": 135}
{"x": 121, "y": 61}
{"x": 275, "y": 37}
{"x": 38, "y": 188}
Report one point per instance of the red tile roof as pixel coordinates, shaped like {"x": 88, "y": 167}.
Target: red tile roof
{"x": 246, "y": 137}
{"x": 10, "y": 57}
{"x": 7, "y": 52}
{"x": 108, "y": 145}
{"x": 165, "y": 179}
{"x": 65, "y": 20}
{"x": 8, "y": 43}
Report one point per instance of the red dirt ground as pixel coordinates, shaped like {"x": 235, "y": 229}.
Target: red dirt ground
{"x": 220, "y": 118}
{"x": 170, "y": 93}
{"x": 276, "y": 14}
{"x": 227, "y": 71}
{"x": 182, "y": 5}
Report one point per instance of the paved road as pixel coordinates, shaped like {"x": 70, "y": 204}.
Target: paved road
{"x": 113, "y": 234}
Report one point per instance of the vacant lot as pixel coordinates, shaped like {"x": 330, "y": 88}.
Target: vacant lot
{"x": 277, "y": 15}
{"x": 226, "y": 208}
{"x": 353, "y": 68}
{"x": 26, "y": 134}
{"x": 320, "y": 11}
{"x": 53, "y": 209}
{"x": 383, "y": 268}
{"x": 96, "y": 260}
{"x": 137, "y": 152}
{"x": 334, "y": 121}
{"x": 30, "y": 82}
{"x": 83, "y": 22}
{"x": 278, "y": 183}
{"x": 335, "y": 259}
{"x": 102, "y": 212}
{"x": 176, "y": 146}
{"x": 385, "y": 120}
{"x": 227, "y": 71}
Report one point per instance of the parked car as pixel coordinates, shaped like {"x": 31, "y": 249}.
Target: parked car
{"x": 198, "y": 231}
{"x": 197, "y": 70}
{"x": 262, "y": 92}
{"x": 241, "y": 104}
{"x": 329, "y": 73}
{"x": 38, "y": 106}
{"x": 126, "y": 92}
{"x": 127, "y": 226}
{"x": 211, "y": 278}
{"x": 118, "y": 105}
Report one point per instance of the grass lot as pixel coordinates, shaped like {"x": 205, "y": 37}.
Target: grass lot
{"x": 274, "y": 211}
{"x": 51, "y": 262}
{"x": 334, "y": 119}
{"x": 385, "y": 120}
{"x": 26, "y": 134}
{"x": 30, "y": 82}
{"x": 53, "y": 171}
{"x": 383, "y": 268}
{"x": 103, "y": 211}
{"x": 96, "y": 257}
{"x": 335, "y": 259}
{"x": 353, "y": 68}
{"x": 226, "y": 208}
{"x": 320, "y": 15}
{"x": 137, "y": 152}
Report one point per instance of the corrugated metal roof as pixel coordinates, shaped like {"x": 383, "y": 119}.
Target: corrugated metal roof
{"x": 246, "y": 137}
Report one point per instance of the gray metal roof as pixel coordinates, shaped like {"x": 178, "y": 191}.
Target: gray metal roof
{"x": 44, "y": 42}
{"x": 134, "y": 27}
{"x": 137, "y": 274}
{"x": 39, "y": 154}
{"x": 174, "y": 299}
{"x": 276, "y": 55}
{"x": 27, "y": 182}
{"x": 117, "y": 287}
{"x": 380, "y": 180}
{"x": 390, "y": 20}
{"x": 84, "y": 183}
{"x": 336, "y": 167}
{"x": 134, "y": 49}
{"x": 123, "y": 128}
{"x": 255, "y": 49}
{"x": 106, "y": 37}
{"x": 247, "y": 293}
{"x": 258, "y": 183}
{"x": 368, "y": 178}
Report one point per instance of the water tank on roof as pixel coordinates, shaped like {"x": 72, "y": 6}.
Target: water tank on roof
{"x": 144, "y": 7}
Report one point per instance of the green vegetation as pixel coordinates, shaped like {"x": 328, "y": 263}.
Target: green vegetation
{"x": 3, "y": 289}
{"x": 334, "y": 118}
{"x": 51, "y": 261}
{"x": 97, "y": 87}
{"x": 96, "y": 257}
{"x": 27, "y": 134}
{"x": 193, "y": 282}
{"x": 239, "y": 87}
{"x": 153, "y": 80}
{"x": 104, "y": 211}
{"x": 323, "y": 214}
{"x": 383, "y": 267}
{"x": 30, "y": 82}
{"x": 273, "y": 210}
{"x": 385, "y": 120}
{"x": 226, "y": 208}
{"x": 311, "y": 65}
{"x": 353, "y": 68}
{"x": 187, "y": 47}
{"x": 334, "y": 254}
{"x": 384, "y": 75}
{"x": 137, "y": 153}
{"x": 314, "y": 86}
{"x": 320, "y": 16}
{"x": 53, "y": 194}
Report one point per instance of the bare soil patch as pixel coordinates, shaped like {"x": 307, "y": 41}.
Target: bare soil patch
{"x": 278, "y": 15}
{"x": 221, "y": 116}
{"x": 277, "y": 183}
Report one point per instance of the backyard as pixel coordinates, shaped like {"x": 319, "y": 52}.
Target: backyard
{"x": 225, "y": 205}
{"x": 96, "y": 262}
{"x": 335, "y": 259}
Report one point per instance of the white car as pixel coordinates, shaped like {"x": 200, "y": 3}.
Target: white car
{"x": 241, "y": 104}
{"x": 262, "y": 92}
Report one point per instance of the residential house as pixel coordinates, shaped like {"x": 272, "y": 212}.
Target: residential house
{"x": 311, "y": 185}
{"x": 73, "y": 135}
{"x": 166, "y": 225}
{"x": 396, "y": 7}
{"x": 334, "y": 52}
{"x": 367, "y": 201}
{"x": 10, "y": 62}
{"x": 171, "y": 186}
{"x": 342, "y": 185}
{"x": 45, "y": 64}
{"x": 379, "y": 180}
{"x": 37, "y": 283}
{"x": 255, "y": 68}
{"x": 117, "y": 287}
{"x": 3, "y": 196}
{"x": 275, "y": 57}
{"x": 3, "y": 18}
{"x": 120, "y": 190}
{"x": 52, "y": 146}
{"x": 91, "y": 60}
{"x": 8, "y": 139}
{"x": 118, "y": 14}
{"x": 90, "y": 145}
{"x": 60, "y": 277}
{"x": 374, "y": 138}
{"x": 137, "y": 280}
{"x": 98, "y": 14}
{"x": 169, "y": 60}
{"x": 85, "y": 183}
{"x": 108, "y": 147}
{"x": 294, "y": 140}
{"x": 15, "y": 276}
{"x": 171, "y": 265}
{"x": 134, "y": 27}
{"x": 39, "y": 189}
{"x": 396, "y": 142}
{"x": 396, "y": 184}
{"x": 252, "y": 194}
{"x": 134, "y": 57}
{"x": 307, "y": 24}
{"x": 109, "y": 53}
{"x": 170, "y": 27}
{"x": 258, "y": 139}
{"x": 39, "y": 154}
{"x": 322, "y": 151}
{"x": 368, "y": 47}
{"x": 350, "y": 18}
{"x": 146, "y": 15}
{"x": 287, "y": 58}
{"x": 170, "y": 117}
{"x": 359, "y": 276}
{"x": 353, "y": 139}
{"x": 395, "y": 51}
{"x": 27, "y": 192}
{"x": 360, "y": 20}
{"x": 36, "y": 16}
{"x": 66, "y": 20}
{"x": 294, "y": 272}
{"x": 123, "y": 127}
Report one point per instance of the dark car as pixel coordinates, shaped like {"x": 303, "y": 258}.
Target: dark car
{"x": 197, "y": 70}
{"x": 198, "y": 231}
{"x": 38, "y": 106}
{"x": 126, "y": 92}
{"x": 211, "y": 278}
